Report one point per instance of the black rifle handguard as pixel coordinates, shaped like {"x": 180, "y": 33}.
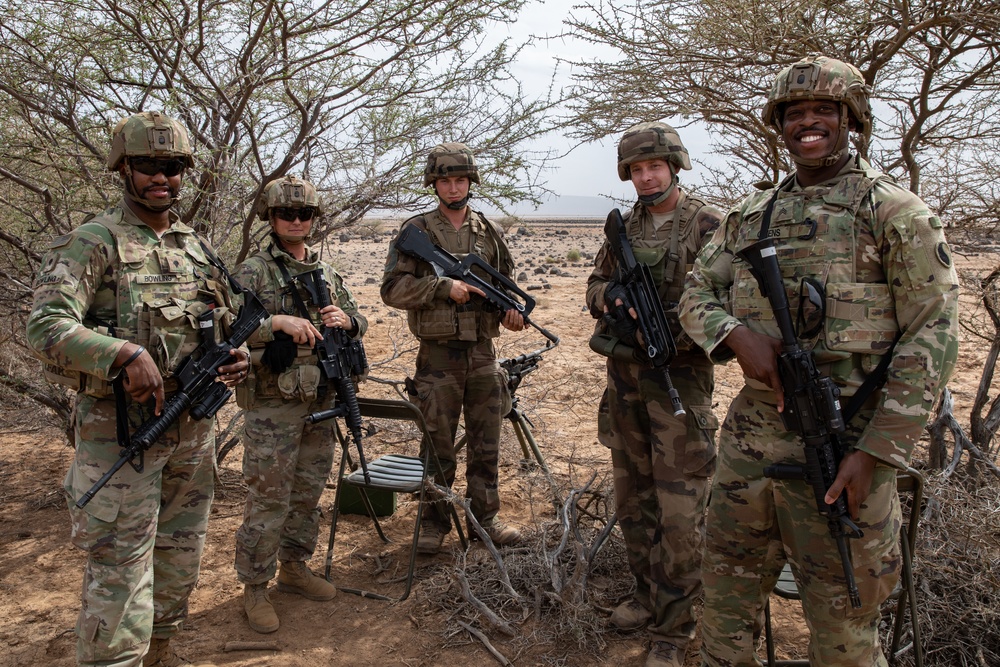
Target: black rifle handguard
{"x": 812, "y": 408}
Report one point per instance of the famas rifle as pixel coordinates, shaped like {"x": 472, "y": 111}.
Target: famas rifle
{"x": 340, "y": 358}
{"x": 641, "y": 294}
{"x": 197, "y": 386}
{"x": 812, "y": 408}
{"x": 414, "y": 241}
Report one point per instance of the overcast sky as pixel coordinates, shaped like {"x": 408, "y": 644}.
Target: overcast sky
{"x": 590, "y": 169}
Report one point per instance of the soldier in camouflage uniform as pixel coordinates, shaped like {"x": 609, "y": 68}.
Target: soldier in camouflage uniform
{"x": 662, "y": 463}
{"x": 456, "y": 364}
{"x": 116, "y": 303}
{"x": 881, "y": 258}
{"x": 286, "y": 461}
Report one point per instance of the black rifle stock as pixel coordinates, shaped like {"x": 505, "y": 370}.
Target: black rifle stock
{"x": 340, "y": 357}
{"x": 812, "y": 408}
{"x": 414, "y": 241}
{"x": 197, "y": 387}
{"x": 637, "y": 280}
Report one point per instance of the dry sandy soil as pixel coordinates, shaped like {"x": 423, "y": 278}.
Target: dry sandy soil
{"x": 40, "y": 572}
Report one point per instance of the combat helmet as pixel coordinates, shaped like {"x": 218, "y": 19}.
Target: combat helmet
{"x": 648, "y": 141}
{"x": 148, "y": 134}
{"x": 450, "y": 159}
{"x": 288, "y": 191}
{"x": 818, "y": 77}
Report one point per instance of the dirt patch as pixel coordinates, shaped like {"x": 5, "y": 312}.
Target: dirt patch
{"x": 40, "y": 572}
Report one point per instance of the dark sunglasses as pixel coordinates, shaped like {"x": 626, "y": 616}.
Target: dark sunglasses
{"x": 289, "y": 214}
{"x": 151, "y": 166}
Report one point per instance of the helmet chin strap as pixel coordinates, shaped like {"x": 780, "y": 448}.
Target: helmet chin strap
{"x": 659, "y": 197}
{"x": 456, "y": 205}
{"x": 132, "y": 195}
{"x": 834, "y": 157}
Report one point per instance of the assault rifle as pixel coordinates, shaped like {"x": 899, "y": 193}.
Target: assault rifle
{"x": 340, "y": 358}
{"x": 414, "y": 241}
{"x": 642, "y": 295}
{"x": 197, "y": 387}
{"x": 812, "y": 408}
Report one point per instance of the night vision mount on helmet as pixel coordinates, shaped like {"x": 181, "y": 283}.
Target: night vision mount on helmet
{"x": 817, "y": 77}
{"x": 149, "y": 134}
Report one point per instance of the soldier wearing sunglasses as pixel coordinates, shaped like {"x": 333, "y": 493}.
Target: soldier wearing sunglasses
{"x": 286, "y": 461}
{"x": 873, "y": 275}
{"x": 116, "y": 310}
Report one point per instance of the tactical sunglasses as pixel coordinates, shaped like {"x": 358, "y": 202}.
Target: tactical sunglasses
{"x": 151, "y": 166}
{"x": 288, "y": 213}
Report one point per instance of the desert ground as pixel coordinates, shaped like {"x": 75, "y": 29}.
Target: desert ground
{"x": 40, "y": 572}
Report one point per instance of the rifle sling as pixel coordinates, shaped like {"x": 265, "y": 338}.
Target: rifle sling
{"x": 877, "y": 377}
{"x": 290, "y": 283}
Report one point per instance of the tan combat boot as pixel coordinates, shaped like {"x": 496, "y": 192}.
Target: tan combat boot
{"x": 665, "y": 654}
{"x": 431, "y": 538}
{"x": 501, "y": 534}
{"x": 630, "y": 615}
{"x": 257, "y": 605}
{"x": 295, "y": 577}
{"x": 162, "y": 655}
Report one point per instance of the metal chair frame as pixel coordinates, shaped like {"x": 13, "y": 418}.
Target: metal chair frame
{"x": 907, "y": 481}
{"x": 392, "y": 472}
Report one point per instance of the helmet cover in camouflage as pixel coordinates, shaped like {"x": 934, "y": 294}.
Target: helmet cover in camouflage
{"x": 450, "y": 159}
{"x": 149, "y": 134}
{"x": 650, "y": 141}
{"x": 817, "y": 77}
{"x": 288, "y": 191}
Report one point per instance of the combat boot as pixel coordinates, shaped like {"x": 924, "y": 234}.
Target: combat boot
{"x": 665, "y": 654}
{"x": 431, "y": 538}
{"x": 260, "y": 613}
{"x": 501, "y": 534}
{"x": 630, "y": 615}
{"x": 162, "y": 655}
{"x": 295, "y": 577}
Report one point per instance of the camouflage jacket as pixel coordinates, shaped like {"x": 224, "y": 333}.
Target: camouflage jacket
{"x": 112, "y": 279}
{"x": 696, "y": 220}
{"x": 886, "y": 267}
{"x": 411, "y": 284}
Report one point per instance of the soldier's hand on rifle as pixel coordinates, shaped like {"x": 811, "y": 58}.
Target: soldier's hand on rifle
{"x": 855, "y": 474}
{"x": 513, "y": 320}
{"x": 302, "y": 331}
{"x": 334, "y": 317}
{"x": 462, "y": 291}
{"x": 234, "y": 373}
{"x": 758, "y": 357}
{"x": 142, "y": 378}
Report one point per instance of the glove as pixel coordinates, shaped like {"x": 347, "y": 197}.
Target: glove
{"x": 621, "y": 324}
{"x": 614, "y": 291}
{"x": 279, "y": 353}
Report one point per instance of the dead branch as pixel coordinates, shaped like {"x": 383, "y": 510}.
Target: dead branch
{"x": 486, "y": 642}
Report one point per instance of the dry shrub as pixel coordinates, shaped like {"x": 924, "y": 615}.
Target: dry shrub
{"x": 958, "y": 574}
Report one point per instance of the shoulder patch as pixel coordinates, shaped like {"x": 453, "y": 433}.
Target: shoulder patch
{"x": 943, "y": 254}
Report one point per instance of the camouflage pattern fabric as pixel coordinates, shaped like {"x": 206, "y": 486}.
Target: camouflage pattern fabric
{"x": 286, "y": 462}
{"x": 144, "y": 532}
{"x": 662, "y": 464}
{"x": 456, "y": 371}
{"x": 884, "y": 262}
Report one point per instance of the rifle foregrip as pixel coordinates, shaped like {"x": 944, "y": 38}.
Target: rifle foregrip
{"x": 172, "y": 409}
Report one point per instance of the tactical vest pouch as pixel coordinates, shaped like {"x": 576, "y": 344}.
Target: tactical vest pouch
{"x": 434, "y": 323}
{"x": 169, "y": 331}
{"x": 78, "y": 381}
{"x": 245, "y": 393}
{"x": 300, "y": 383}
{"x": 653, "y": 258}
{"x": 467, "y": 317}
{"x": 860, "y": 318}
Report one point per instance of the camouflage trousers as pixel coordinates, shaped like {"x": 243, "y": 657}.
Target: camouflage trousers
{"x": 755, "y": 523}
{"x": 286, "y": 463}
{"x": 662, "y": 466}
{"x": 446, "y": 382}
{"x": 143, "y": 533}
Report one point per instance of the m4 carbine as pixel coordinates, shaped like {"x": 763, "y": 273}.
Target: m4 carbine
{"x": 197, "y": 387}
{"x": 414, "y": 242}
{"x": 340, "y": 358}
{"x": 636, "y": 279}
{"x": 812, "y": 408}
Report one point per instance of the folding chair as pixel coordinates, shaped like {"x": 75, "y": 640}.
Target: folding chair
{"x": 907, "y": 481}
{"x": 393, "y": 472}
